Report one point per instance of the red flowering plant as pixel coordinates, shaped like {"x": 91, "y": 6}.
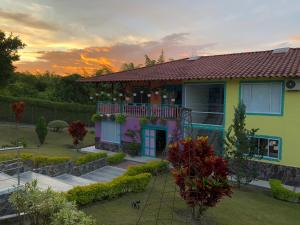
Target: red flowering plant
{"x": 200, "y": 175}
{"x": 78, "y": 131}
{"x": 18, "y": 108}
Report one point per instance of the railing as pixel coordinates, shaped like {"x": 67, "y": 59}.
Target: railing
{"x": 141, "y": 110}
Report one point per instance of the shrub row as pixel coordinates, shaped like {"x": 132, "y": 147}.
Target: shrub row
{"x": 83, "y": 195}
{"x": 116, "y": 158}
{"x": 37, "y": 161}
{"x": 280, "y": 192}
{"x": 90, "y": 157}
{"x": 154, "y": 167}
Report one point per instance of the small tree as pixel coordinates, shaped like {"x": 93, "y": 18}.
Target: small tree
{"x": 78, "y": 131}
{"x": 240, "y": 147}
{"x": 41, "y": 129}
{"x": 18, "y": 108}
{"x": 200, "y": 175}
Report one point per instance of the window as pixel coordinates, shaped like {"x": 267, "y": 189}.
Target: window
{"x": 206, "y": 101}
{"x": 140, "y": 95}
{"x": 268, "y": 147}
{"x": 110, "y": 132}
{"x": 264, "y": 98}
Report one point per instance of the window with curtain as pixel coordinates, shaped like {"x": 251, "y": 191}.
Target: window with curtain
{"x": 110, "y": 132}
{"x": 264, "y": 98}
{"x": 268, "y": 147}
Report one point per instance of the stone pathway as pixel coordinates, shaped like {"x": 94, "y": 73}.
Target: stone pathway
{"x": 104, "y": 174}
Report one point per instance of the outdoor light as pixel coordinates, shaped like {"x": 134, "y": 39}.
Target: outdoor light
{"x": 164, "y": 96}
{"x": 97, "y": 94}
{"x": 102, "y": 92}
{"x": 120, "y": 94}
{"x": 149, "y": 95}
{"x": 108, "y": 94}
{"x": 156, "y": 92}
{"x": 134, "y": 94}
{"x": 114, "y": 99}
{"x": 91, "y": 97}
{"x": 127, "y": 98}
{"x": 173, "y": 100}
{"x": 141, "y": 92}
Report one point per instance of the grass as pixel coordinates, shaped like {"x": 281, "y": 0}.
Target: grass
{"x": 247, "y": 206}
{"x": 56, "y": 144}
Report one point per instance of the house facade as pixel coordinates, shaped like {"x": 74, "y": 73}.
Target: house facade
{"x": 196, "y": 96}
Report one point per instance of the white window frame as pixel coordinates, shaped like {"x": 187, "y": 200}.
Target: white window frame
{"x": 243, "y": 84}
{"x": 117, "y": 132}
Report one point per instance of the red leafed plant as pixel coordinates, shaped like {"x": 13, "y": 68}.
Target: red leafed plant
{"x": 77, "y": 130}
{"x": 18, "y": 108}
{"x": 200, "y": 175}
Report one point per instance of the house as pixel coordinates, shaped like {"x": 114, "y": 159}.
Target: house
{"x": 198, "y": 95}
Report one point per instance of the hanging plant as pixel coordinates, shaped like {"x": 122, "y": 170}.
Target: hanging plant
{"x": 120, "y": 118}
{"x": 143, "y": 121}
{"x": 153, "y": 119}
{"x": 97, "y": 117}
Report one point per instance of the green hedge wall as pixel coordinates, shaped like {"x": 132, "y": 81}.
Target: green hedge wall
{"x": 280, "y": 192}
{"x": 153, "y": 167}
{"x": 35, "y": 108}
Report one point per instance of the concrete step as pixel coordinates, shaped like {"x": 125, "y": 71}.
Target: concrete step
{"x": 45, "y": 181}
{"x": 74, "y": 180}
{"x": 104, "y": 174}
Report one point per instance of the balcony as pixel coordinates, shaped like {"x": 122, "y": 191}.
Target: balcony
{"x": 142, "y": 110}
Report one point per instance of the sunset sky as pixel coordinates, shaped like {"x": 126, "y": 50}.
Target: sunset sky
{"x": 80, "y": 36}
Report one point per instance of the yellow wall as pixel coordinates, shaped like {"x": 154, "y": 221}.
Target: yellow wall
{"x": 287, "y": 127}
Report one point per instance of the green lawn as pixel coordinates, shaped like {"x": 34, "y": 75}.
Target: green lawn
{"x": 248, "y": 206}
{"x": 56, "y": 144}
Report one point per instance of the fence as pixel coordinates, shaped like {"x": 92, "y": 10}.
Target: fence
{"x": 35, "y": 108}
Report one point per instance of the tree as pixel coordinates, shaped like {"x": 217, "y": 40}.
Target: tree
{"x": 200, "y": 175}
{"x": 41, "y": 129}
{"x": 240, "y": 147}
{"x": 78, "y": 131}
{"x": 129, "y": 66}
{"x": 18, "y": 108}
{"x": 45, "y": 207}
{"x": 161, "y": 58}
{"x": 9, "y": 46}
{"x": 149, "y": 62}
{"x": 103, "y": 70}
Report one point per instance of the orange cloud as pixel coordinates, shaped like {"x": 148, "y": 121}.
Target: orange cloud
{"x": 295, "y": 38}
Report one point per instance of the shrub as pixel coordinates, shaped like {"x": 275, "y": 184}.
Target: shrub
{"x": 41, "y": 129}
{"x": 90, "y": 157}
{"x": 83, "y": 195}
{"x": 200, "y": 175}
{"x": 280, "y": 192}
{"x": 78, "y": 131}
{"x": 116, "y": 158}
{"x": 40, "y": 161}
{"x": 132, "y": 148}
{"x": 154, "y": 167}
{"x": 120, "y": 118}
{"x": 143, "y": 121}
{"x": 57, "y": 125}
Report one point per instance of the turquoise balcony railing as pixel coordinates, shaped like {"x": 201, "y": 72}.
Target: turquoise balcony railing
{"x": 141, "y": 110}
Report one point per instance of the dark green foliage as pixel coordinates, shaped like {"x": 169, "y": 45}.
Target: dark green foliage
{"x": 41, "y": 129}
{"x": 149, "y": 62}
{"x": 282, "y": 193}
{"x": 89, "y": 157}
{"x": 144, "y": 121}
{"x": 120, "y": 118}
{"x": 96, "y": 117}
{"x": 154, "y": 167}
{"x": 36, "y": 108}
{"x": 240, "y": 148}
{"x": 129, "y": 66}
{"x": 116, "y": 158}
{"x": 103, "y": 70}
{"x": 83, "y": 195}
{"x": 9, "y": 46}
{"x": 57, "y": 125}
{"x": 161, "y": 58}
{"x": 132, "y": 148}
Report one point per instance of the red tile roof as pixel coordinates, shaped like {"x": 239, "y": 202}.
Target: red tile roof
{"x": 263, "y": 64}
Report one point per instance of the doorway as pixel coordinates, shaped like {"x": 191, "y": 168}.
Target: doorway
{"x": 154, "y": 141}
{"x": 160, "y": 142}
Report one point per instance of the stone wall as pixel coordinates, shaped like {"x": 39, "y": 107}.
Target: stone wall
{"x": 287, "y": 174}
{"x": 71, "y": 168}
{"x": 5, "y": 207}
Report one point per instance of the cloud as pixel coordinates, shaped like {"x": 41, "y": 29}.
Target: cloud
{"x": 28, "y": 20}
{"x": 295, "y": 38}
{"x": 87, "y": 60}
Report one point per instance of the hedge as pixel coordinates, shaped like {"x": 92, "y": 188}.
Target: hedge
{"x": 90, "y": 157}
{"x": 35, "y": 108}
{"x": 83, "y": 195}
{"x": 116, "y": 158}
{"x": 37, "y": 161}
{"x": 154, "y": 167}
{"x": 282, "y": 193}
